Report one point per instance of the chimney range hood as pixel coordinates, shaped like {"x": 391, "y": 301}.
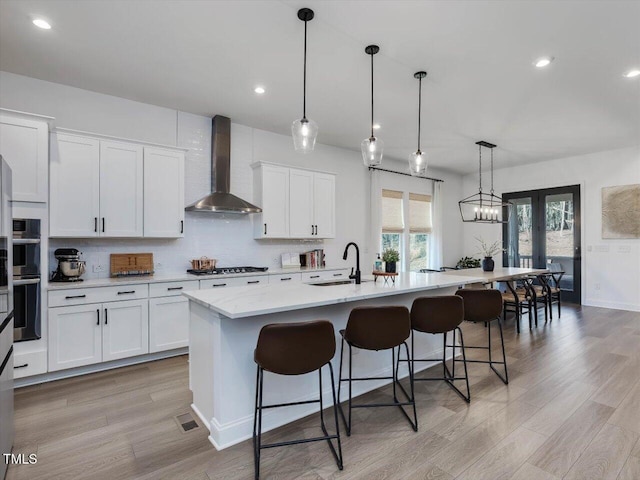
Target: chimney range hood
{"x": 220, "y": 200}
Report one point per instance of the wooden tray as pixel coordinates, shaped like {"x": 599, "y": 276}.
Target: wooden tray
{"x": 131, "y": 264}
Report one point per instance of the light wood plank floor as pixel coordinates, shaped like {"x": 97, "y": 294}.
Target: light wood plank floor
{"x": 571, "y": 411}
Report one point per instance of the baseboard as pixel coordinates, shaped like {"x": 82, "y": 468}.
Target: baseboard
{"x": 633, "y": 307}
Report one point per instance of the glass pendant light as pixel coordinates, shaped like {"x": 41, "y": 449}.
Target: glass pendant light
{"x": 304, "y": 131}
{"x": 418, "y": 159}
{"x": 372, "y": 147}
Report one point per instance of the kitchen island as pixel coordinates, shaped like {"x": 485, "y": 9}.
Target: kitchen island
{"x": 224, "y": 327}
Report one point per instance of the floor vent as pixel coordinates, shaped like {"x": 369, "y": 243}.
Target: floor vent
{"x": 187, "y": 422}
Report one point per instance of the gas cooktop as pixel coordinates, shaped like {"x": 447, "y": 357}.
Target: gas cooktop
{"x": 227, "y": 270}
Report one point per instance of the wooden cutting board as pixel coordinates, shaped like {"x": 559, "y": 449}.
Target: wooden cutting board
{"x": 131, "y": 264}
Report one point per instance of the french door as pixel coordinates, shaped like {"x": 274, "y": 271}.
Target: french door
{"x": 544, "y": 232}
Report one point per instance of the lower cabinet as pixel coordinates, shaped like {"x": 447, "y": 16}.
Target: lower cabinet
{"x": 168, "y": 323}
{"x": 93, "y": 333}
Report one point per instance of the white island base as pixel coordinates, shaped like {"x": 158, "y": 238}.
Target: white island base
{"x": 224, "y": 328}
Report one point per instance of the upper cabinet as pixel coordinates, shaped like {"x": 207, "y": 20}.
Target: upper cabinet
{"x": 295, "y": 203}
{"x": 107, "y": 188}
{"x": 163, "y": 192}
{"x": 24, "y": 144}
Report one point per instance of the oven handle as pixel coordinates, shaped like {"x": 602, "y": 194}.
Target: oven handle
{"x": 26, "y": 281}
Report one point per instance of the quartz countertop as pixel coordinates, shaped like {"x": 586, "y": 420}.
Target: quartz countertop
{"x": 499, "y": 274}
{"x": 242, "y": 301}
{"x": 179, "y": 277}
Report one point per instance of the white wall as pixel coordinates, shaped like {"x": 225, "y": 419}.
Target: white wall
{"x": 613, "y": 265}
{"x": 229, "y": 238}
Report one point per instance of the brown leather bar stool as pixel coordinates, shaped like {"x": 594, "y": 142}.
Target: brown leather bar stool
{"x": 485, "y": 305}
{"x": 295, "y": 349}
{"x": 435, "y": 315}
{"x": 378, "y": 328}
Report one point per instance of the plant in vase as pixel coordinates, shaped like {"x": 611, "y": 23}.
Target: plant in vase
{"x": 488, "y": 251}
{"x": 467, "y": 262}
{"x": 390, "y": 256}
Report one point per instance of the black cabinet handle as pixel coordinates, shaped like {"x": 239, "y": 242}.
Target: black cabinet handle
{"x": 102, "y": 224}
{"x": 253, "y": 281}
{"x": 21, "y": 366}
{"x": 106, "y": 317}
{"x": 337, "y": 274}
{"x": 311, "y": 229}
{"x": 265, "y": 228}
{"x": 174, "y": 288}
{"x": 219, "y": 285}
{"x": 285, "y": 279}
{"x": 95, "y": 224}
{"x": 181, "y": 226}
{"x": 315, "y": 276}
{"x": 316, "y": 229}
{"x": 128, "y": 292}
{"x": 69, "y": 297}
{"x": 98, "y": 316}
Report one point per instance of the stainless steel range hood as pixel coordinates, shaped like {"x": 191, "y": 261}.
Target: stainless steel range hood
{"x": 220, "y": 200}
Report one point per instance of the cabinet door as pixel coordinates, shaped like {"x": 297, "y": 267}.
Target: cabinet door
{"x": 324, "y": 205}
{"x": 163, "y": 193}
{"x": 301, "y": 223}
{"x": 275, "y": 202}
{"x": 125, "y": 330}
{"x": 24, "y": 144}
{"x": 168, "y": 323}
{"x": 75, "y": 186}
{"x": 75, "y": 336}
{"x": 121, "y": 184}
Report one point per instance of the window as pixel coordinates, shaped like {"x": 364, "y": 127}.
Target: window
{"x": 419, "y": 229}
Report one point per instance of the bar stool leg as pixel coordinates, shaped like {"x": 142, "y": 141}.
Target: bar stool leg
{"x": 347, "y": 423}
{"x": 504, "y": 378}
{"x": 257, "y": 423}
{"x": 335, "y": 417}
{"x": 464, "y": 361}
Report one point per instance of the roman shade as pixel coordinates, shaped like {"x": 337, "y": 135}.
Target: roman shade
{"x": 392, "y": 212}
{"x": 419, "y": 213}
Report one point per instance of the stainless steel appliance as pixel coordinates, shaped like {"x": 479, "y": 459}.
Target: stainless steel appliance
{"x": 226, "y": 270}
{"x": 6, "y": 316}
{"x": 27, "y": 292}
{"x": 70, "y": 267}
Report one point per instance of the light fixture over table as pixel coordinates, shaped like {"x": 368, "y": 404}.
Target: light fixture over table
{"x": 304, "y": 131}
{"x": 485, "y": 207}
{"x": 372, "y": 147}
{"x": 418, "y": 159}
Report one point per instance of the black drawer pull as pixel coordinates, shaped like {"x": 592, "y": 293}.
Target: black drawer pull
{"x": 102, "y": 224}
{"x": 174, "y": 288}
{"x": 315, "y": 276}
{"x": 181, "y": 226}
{"x": 285, "y": 279}
{"x": 95, "y": 224}
{"x": 106, "y": 317}
{"x": 128, "y": 292}
{"x": 98, "y": 315}
{"x": 69, "y": 297}
{"x": 219, "y": 285}
{"x": 253, "y": 281}
{"x": 265, "y": 228}
{"x": 21, "y": 366}
{"x": 337, "y": 274}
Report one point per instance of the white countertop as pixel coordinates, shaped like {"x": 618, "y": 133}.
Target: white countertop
{"x": 499, "y": 274}
{"x": 178, "y": 277}
{"x": 239, "y": 302}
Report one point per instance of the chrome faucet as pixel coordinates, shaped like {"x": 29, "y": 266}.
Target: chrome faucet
{"x": 357, "y": 275}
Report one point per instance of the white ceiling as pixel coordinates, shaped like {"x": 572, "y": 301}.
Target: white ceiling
{"x": 205, "y": 57}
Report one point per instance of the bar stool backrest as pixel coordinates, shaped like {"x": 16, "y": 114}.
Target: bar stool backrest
{"x": 481, "y": 305}
{"x": 378, "y": 328}
{"x": 437, "y": 314}
{"x": 295, "y": 348}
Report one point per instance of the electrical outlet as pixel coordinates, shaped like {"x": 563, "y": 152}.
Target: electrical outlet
{"x": 98, "y": 268}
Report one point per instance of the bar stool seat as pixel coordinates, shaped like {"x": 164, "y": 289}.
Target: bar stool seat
{"x": 377, "y": 328}
{"x": 295, "y": 349}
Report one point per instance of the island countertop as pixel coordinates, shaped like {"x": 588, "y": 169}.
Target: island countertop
{"x": 240, "y": 302}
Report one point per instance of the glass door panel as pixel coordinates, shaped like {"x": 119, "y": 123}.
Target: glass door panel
{"x": 519, "y": 249}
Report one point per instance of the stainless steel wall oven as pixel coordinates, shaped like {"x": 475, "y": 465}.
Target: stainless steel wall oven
{"x": 26, "y": 279}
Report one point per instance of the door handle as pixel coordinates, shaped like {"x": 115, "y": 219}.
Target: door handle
{"x": 98, "y": 315}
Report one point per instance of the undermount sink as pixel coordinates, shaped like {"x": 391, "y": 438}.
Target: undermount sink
{"x": 335, "y": 282}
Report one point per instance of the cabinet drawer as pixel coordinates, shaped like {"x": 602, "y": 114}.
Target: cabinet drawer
{"x": 82, "y": 296}
{"x": 28, "y": 364}
{"x": 171, "y": 289}
{"x": 285, "y": 278}
{"x": 310, "y": 277}
{"x": 233, "y": 282}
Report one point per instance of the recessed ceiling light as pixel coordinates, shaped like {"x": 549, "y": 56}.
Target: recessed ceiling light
{"x": 376, "y": 126}
{"x": 632, "y": 73}
{"x": 543, "y": 62}
{"x": 40, "y": 23}
{"x": 259, "y": 90}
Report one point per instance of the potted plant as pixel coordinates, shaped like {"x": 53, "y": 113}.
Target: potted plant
{"x": 390, "y": 256}
{"x": 488, "y": 251}
{"x": 467, "y": 262}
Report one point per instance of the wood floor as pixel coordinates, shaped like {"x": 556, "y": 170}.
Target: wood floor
{"x": 570, "y": 411}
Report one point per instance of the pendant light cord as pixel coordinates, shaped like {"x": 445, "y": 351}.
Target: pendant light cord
{"x": 372, "y": 95}
{"x": 304, "y": 76}
{"x": 492, "y": 172}
{"x": 419, "y": 108}
{"x": 480, "y": 163}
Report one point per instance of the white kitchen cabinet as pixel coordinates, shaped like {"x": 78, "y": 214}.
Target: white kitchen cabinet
{"x": 324, "y": 275}
{"x": 24, "y": 144}
{"x": 223, "y": 281}
{"x": 75, "y": 336}
{"x": 121, "y": 189}
{"x": 75, "y": 186}
{"x": 296, "y": 203}
{"x": 293, "y": 277}
{"x": 271, "y": 184}
{"x": 168, "y": 323}
{"x": 125, "y": 330}
{"x": 163, "y": 192}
